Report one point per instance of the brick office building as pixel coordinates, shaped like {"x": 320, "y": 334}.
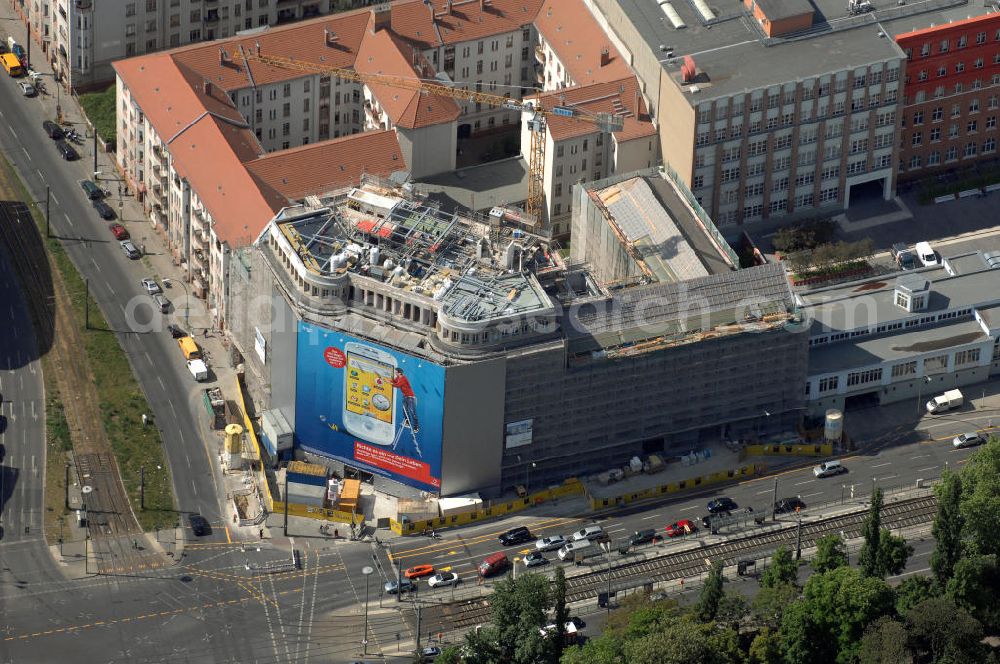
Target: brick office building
{"x": 951, "y": 95}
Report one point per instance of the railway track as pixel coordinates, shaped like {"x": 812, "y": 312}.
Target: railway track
{"x": 466, "y": 614}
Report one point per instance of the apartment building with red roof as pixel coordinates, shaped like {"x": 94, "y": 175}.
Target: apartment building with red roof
{"x": 216, "y": 141}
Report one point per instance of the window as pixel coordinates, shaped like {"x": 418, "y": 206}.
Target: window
{"x": 935, "y": 364}
{"x": 828, "y": 195}
{"x": 974, "y": 106}
{"x": 755, "y": 189}
{"x": 828, "y": 384}
{"x": 943, "y": 48}
{"x": 864, "y": 377}
{"x": 904, "y": 369}
{"x": 991, "y": 122}
{"x": 779, "y": 184}
{"x": 130, "y": 9}
{"x": 970, "y": 126}
{"x": 989, "y": 145}
{"x": 730, "y": 174}
{"x": 916, "y": 139}
{"x": 804, "y": 200}
{"x": 970, "y": 356}
{"x": 981, "y": 38}
{"x": 971, "y": 149}
{"x": 959, "y": 67}
{"x": 778, "y": 206}
{"x": 915, "y": 161}
{"x": 937, "y": 114}
{"x": 962, "y": 41}
{"x": 918, "y": 118}
{"x": 804, "y": 179}
{"x": 698, "y": 182}
{"x": 951, "y": 154}
{"x": 934, "y": 158}
{"x": 935, "y": 134}
{"x": 953, "y": 131}
{"x": 831, "y": 172}
{"x": 956, "y": 110}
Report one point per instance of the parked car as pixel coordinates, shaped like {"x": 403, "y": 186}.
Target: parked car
{"x": 176, "y": 332}
{"x": 787, "y": 505}
{"x": 392, "y": 588}
{"x": 550, "y": 543}
{"x": 151, "y": 286}
{"x": 495, "y": 563}
{"x": 534, "y": 559}
{"x": 444, "y": 579}
{"x": 707, "y": 520}
{"x": 418, "y": 571}
{"x": 588, "y": 533}
{"x": 92, "y": 190}
{"x": 27, "y": 89}
{"x": 642, "y": 537}
{"x": 970, "y": 439}
{"x": 828, "y": 468}
{"x": 66, "y": 150}
{"x": 130, "y": 250}
{"x": 926, "y": 254}
{"x": 722, "y": 505}
{"x": 162, "y": 303}
{"x": 430, "y": 653}
{"x": 119, "y": 231}
{"x": 53, "y": 130}
{"x": 106, "y": 211}
{"x": 199, "y": 525}
{"x": 518, "y": 535}
{"x": 903, "y": 256}
{"x": 679, "y": 528}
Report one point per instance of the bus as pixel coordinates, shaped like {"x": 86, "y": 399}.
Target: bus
{"x": 12, "y": 64}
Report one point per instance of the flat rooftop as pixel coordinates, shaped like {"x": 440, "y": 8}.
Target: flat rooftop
{"x": 865, "y": 351}
{"x": 732, "y": 54}
{"x": 478, "y": 270}
{"x": 871, "y": 302}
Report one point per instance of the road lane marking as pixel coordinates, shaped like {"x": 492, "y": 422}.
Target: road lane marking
{"x": 805, "y": 482}
{"x": 651, "y": 516}
{"x": 921, "y": 470}
{"x": 920, "y": 456}
{"x": 689, "y": 507}
{"x": 881, "y": 465}
{"x": 818, "y": 493}
{"x": 25, "y": 150}
{"x": 54, "y": 199}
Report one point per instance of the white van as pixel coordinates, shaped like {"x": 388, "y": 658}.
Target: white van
{"x": 926, "y": 254}
{"x": 577, "y": 551}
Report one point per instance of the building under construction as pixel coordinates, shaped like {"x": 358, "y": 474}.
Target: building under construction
{"x": 456, "y": 353}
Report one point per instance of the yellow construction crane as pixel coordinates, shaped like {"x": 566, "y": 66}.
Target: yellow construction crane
{"x": 605, "y": 122}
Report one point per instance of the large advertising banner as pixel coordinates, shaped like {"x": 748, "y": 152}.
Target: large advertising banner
{"x": 370, "y": 406}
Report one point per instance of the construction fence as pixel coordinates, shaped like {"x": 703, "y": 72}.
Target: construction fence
{"x": 272, "y": 505}
{"x": 571, "y": 487}
{"x": 797, "y": 449}
{"x": 599, "y": 502}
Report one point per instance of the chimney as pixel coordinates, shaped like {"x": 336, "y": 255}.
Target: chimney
{"x": 447, "y": 7}
{"x": 605, "y": 57}
{"x": 383, "y": 16}
{"x": 223, "y": 57}
{"x": 485, "y": 4}
{"x": 208, "y": 88}
{"x": 331, "y": 37}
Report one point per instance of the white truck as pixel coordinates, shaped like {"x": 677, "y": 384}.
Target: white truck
{"x": 944, "y": 402}
{"x": 198, "y": 369}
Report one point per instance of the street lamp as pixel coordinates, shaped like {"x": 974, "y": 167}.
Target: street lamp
{"x": 187, "y": 305}
{"x": 367, "y": 571}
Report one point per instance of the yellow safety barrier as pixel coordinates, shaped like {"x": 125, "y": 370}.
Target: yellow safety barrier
{"x": 248, "y": 427}
{"x": 405, "y": 526}
{"x": 798, "y": 449}
{"x": 318, "y": 513}
{"x": 597, "y": 503}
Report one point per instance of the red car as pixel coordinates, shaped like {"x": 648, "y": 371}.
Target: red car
{"x": 119, "y": 231}
{"x": 419, "y": 571}
{"x": 682, "y": 527}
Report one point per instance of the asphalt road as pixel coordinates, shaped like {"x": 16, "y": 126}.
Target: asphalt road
{"x": 115, "y": 285}
{"x": 893, "y": 467}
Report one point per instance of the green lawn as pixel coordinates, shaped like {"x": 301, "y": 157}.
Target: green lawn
{"x": 100, "y": 108}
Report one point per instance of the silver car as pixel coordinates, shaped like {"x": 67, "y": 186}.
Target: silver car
{"x": 970, "y": 439}
{"x": 552, "y": 543}
{"x": 162, "y": 303}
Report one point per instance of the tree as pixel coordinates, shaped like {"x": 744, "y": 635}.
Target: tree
{"x": 884, "y": 642}
{"x": 518, "y": 608}
{"x": 980, "y": 499}
{"x": 836, "y": 607}
{"x": 605, "y": 649}
{"x": 711, "y": 593}
{"x": 893, "y": 553}
{"x": 733, "y": 608}
{"x": 944, "y": 631}
{"x": 689, "y": 641}
{"x": 765, "y": 648}
{"x": 947, "y": 528}
{"x": 449, "y": 655}
{"x": 783, "y": 569}
{"x": 768, "y": 607}
{"x": 560, "y": 610}
{"x": 973, "y": 587}
{"x": 871, "y": 530}
{"x": 912, "y": 591}
{"x": 831, "y": 553}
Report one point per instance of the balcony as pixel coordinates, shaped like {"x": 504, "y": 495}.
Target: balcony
{"x": 540, "y": 55}
{"x": 211, "y": 17}
{"x": 540, "y": 77}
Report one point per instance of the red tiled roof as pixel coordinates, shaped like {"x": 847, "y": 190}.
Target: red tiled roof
{"x": 306, "y": 41}
{"x": 616, "y": 97}
{"x": 577, "y": 38}
{"x": 239, "y": 208}
{"x": 384, "y": 53}
{"x": 466, "y": 20}
{"x": 322, "y": 167}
